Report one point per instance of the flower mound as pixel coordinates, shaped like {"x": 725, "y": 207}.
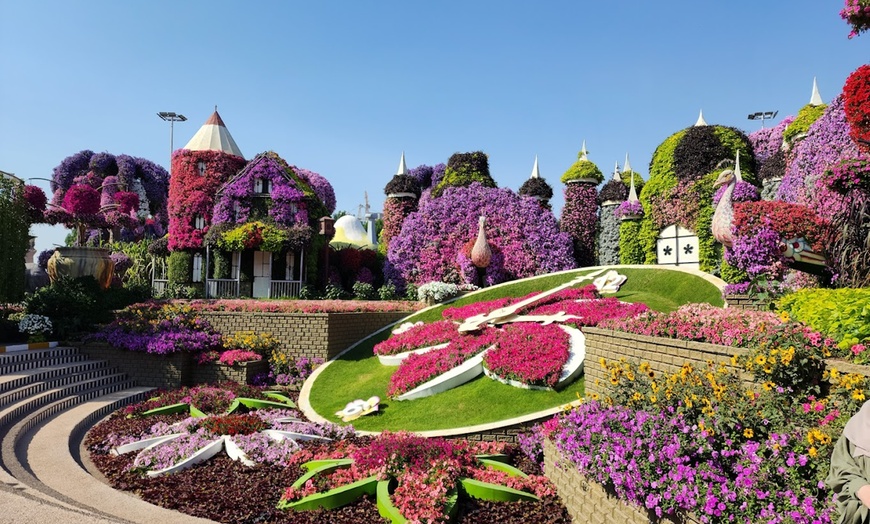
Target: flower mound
{"x": 417, "y": 337}
{"x": 429, "y": 244}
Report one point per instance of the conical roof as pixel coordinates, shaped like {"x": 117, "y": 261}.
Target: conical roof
{"x": 701, "y": 121}
{"x": 403, "y": 168}
{"x": 214, "y": 136}
{"x": 536, "y": 173}
{"x": 816, "y": 97}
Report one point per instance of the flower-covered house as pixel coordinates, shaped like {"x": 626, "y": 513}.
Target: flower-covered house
{"x": 240, "y": 228}
{"x": 260, "y": 230}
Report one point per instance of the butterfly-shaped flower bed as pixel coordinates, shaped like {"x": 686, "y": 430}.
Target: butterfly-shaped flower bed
{"x": 414, "y": 478}
{"x": 268, "y": 436}
{"x": 528, "y": 351}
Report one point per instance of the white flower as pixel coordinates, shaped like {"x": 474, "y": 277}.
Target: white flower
{"x": 437, "y": 291}
{"x": 34, "y": 324}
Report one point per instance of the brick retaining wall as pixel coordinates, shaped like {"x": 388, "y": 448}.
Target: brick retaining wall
{"x": 664, "y": 355}
{"x": 588, "y": 502}
{"x": 322, "y": 335}
{"x": 746, "y": 302}
{"x": 156, "y": 371}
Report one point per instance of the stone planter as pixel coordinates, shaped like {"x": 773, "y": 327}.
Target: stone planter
{"x": 75, "y": 262}
{"x": 243, "y": 372}
{"x": 589, "y": 502}
{"x": 746, "y": 302}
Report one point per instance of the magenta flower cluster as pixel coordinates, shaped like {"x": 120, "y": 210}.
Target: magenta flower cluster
{"x": 418, "y": 337}
{"x": 232, "y": 357}
{"x": 629, "y": 208}
{"x": 530, "y": 353}
{"x": 321, "y": 187}
{"x": 580, "y": 220}
{"x": 827, "y": 143}
{"x": 420, "y": 368}
{"x": 426, "y": 249}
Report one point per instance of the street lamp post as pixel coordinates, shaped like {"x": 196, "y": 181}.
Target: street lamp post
{"x": 763, "y": 115}
{"x": 172, "y": 118}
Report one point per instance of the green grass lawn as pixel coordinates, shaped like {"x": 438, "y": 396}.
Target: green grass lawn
{"x": 358, "y": 374}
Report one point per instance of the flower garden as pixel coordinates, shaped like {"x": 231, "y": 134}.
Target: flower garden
{"x": 471, "y": 407}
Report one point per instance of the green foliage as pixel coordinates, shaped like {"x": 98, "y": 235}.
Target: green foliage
{"x": 582, "y": 169}
{"x": 387, "y": 291}
{"x": 333, "y": 292}
{"x": 709, "y": 251}
{"x": 72, "y": 304}
{"x": 254, "y": 235}
{"x": 463, "y": 169}
{"x": 662, "y": 163}
{"x": 180, "y": 267}
{"x": 630, "y": 248}
{"x": 411, "y": 292}
{"x": 364, "y": 291}
{"x": 731, "y": 274}
{"x": 308, "y": 292}
{"x": 735, "y": 140}
{"x": 842, "y": 314}
{"x": 802, "y": 122}
{"x": 223, "y": 264}
{"x": 182, "y": 291}
{"x": 14, "y": 239}
{"x": 138, "y": 275}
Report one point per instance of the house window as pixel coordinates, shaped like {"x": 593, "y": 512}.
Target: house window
{"x": 291, "y": 263}
{"x": 261, "y": 186}
{"x": 236, "y": 209}
{"x": 201, "y": 166}
{"x": 293, "y": 207}
{"x": 198, "y": 222}
{"x": 197, "y": 267}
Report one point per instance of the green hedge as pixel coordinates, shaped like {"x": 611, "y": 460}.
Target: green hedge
{"x": 14, "y": 239}
{"x": 842, "y": 314}
{"x": 180, "y": 267}
{"x": 805, "y": 118}
{"x": 630, "y": 248}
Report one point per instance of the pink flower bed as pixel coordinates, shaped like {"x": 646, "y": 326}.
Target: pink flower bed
{"x": 529, "y": 353}
{"x": 235, "y": 356}
{"x": 418, "y": 337}
{"x": 470, "y": 310}
{"x": 417, "y": 369}
{"x": 592, "y": 312}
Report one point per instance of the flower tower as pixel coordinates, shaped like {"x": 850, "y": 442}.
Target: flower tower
{"x": 538, "y": 188}
{"x": 612, "y": 194}
{"x": 199, "y": 169}
{"x": 580, "y": 212}
{"x": 402, "y": 192}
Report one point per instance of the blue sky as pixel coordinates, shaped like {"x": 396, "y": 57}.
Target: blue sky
{"x": 342, "y": 88}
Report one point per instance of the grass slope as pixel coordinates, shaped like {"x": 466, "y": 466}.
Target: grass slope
{"x": 358, "y": 374}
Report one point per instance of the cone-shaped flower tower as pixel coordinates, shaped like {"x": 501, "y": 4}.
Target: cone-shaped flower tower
{"x": 536, "y": 187}
{"x": 402, "y": 193}
{"x": 580, "y": 212}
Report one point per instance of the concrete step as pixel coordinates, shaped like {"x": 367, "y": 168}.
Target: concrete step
{"x": 17, "y": 379}
{"x": 38, "y": 386}
{"x": 20, "y": 360}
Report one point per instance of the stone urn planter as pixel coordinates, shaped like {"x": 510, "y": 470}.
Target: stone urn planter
{"x": 77, "y": 262}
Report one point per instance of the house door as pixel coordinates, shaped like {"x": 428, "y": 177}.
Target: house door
{"x": 262, "y": 273}
{"x": 677, "y": 246}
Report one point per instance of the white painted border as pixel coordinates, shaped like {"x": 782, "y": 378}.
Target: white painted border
{"x": 395, "y": 360}
{"x": 445, "y": 381}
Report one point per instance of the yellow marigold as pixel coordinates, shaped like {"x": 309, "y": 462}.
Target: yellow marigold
{"x": 857, "y": 394}
{"x": 603, "y": 362}
{"x": 768, "y": 385}
{"x": 748, "y": 433}
{"x": 812, "y": 452}
{"x": 688, "y": 402}
{"x": 784, "y": 316}
{"x": 644, "y": 367}
{"x": 637, "y": 397}
{"x": 653, "y": 398}
{"x": 594, "y": 396}
{"x": 629, "y": 375}
{"x": 768, "y": 369}
{"x": 760, "y": 360}
{"x": 834, "y": 374}
{"x": 614, "y": 381}
{"x": 734, "y": 359}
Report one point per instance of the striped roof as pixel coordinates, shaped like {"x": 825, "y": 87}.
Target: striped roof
{"x": 214, "y": 136}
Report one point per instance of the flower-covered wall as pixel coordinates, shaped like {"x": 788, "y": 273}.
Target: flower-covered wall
{"x": 613, "y": 193}
{"x": 580, "y": 211}
{"x": 432, "y": 244}
{"x": 680, "y": 188}
{"x": 196, "y": 178}
{"x": 770, "y": 156}
{"x": 14, "y": 239}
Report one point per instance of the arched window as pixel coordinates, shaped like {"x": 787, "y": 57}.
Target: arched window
{"x": 201, "y": 166}
{"x": 198, "y": 222}
{"x": 261, "y": 186}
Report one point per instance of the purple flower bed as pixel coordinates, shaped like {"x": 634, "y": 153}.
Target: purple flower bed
{"x": 580, "y": 220}
{"x": 431, "y": 238}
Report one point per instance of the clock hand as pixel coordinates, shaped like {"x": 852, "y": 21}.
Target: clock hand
{"x": 474, "y": 323}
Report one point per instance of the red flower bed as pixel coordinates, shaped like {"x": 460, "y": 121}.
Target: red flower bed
{"x": 530, "y": 353}
{"x": 418, "y": 337}
{"x": 789, "y": 220}
{"x": 856, "y": 99}
{"x": 417, "y": 369}
{"x": 593, "y": 311}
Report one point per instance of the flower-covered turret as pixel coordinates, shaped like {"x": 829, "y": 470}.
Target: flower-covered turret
{"x": 805, "y": 118}
{"x": 580, "y": 212}
{"x": 208, "y": 160}
{"x": 402, "y": 193}
{"x": 536, "y": 187}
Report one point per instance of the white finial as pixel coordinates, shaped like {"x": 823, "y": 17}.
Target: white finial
{"x": 616, "y": 175}
{"x": 737, "y": 174}
{"x": 535, "y": 172}
{"x": 632, "y": 191}
{"x": 816, "y": 98}
{"x": 584, "y": 155}
{"x": 627, "y": 167}
{"x": 403, "y": 169}
{"x": 701, "y": 121}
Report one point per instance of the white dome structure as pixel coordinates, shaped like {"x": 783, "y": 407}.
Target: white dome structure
{"x": 349, "y": 232}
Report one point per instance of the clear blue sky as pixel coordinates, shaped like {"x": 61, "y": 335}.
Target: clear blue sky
{"x": 342, "y": 88}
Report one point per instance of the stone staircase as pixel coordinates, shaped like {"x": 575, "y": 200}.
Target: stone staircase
{"x": 48, "y": 400}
